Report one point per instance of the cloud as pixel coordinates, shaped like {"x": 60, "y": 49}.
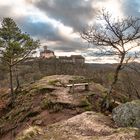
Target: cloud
{"x": 73, "y": 13}
{"x": 70, "y": 46}
{"x": 5, "y": 11}
{"x": 53, "y": 35}
{"x": 39, "y": 29}
{"x": 131, "y": 7}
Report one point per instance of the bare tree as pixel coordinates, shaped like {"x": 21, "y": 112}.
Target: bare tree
{"x": 114, "y": 37}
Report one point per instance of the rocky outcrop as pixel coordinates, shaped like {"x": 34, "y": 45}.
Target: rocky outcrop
{"x": 86, "y": 126}
{"x": 127, "y": 114}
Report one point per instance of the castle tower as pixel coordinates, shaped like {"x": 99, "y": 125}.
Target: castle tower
{"x": 47, "y": 53}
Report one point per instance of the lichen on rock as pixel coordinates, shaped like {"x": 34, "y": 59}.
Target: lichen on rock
{"x": 127, "y": 114}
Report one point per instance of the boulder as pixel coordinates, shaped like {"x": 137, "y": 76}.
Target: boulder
{"x": 127, "y": 114}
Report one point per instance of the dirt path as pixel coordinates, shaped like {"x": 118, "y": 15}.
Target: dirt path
{"x": 64, "y": 96}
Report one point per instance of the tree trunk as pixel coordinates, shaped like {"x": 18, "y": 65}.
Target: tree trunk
{"x": 107, "y": 100}
{"x": 17, "y": 78}
{"x": 116, "y": 74}
{"x": 11, "y": 86}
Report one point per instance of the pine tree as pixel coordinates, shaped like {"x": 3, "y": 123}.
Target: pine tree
{"x": 15, "y": 47}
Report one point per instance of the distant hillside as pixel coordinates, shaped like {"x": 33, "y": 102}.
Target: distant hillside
{"x": 34, "y": 69}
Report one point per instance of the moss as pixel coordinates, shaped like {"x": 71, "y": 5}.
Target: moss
{"x": 30, "y": 133}
{"x": 32, "y": 114}
{"x": 86, "y": 104}
{"x": 126, "y": 130}
{"x": 46, "y": 104}
{"x": 129, "y": 130}
{"x": 53, "y": 82}
{"x": 15, "y": 113}
{"x": 45, "y": 90}
{"x": 37, "y": 90}
{"x": 137, "y": 102}
{"x": 101, "y": 88}
{"x": 55, "y": 106}
{"x": 125, "y": 99}
{"x": 78, "y": 79}
{"x": 52, "y": 106}
{"x": 137, "y": 134}
{"x": 95, "y": 100}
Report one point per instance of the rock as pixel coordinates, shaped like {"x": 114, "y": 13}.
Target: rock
{"x": 38, "y": 122}
{"x": 88, "y": 126}
{"x": 127, "y": 114}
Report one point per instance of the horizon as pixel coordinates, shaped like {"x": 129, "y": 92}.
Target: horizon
{"x": 57, "y": 23}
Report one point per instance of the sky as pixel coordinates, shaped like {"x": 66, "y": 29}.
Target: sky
{"x": 58, "y": 23}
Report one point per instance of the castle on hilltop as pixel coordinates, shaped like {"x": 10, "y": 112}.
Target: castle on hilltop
{"x": 47, "y": 54}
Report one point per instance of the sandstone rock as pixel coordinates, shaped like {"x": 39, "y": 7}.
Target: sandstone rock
{"x": 38, "y": 122}
{"x": 127, "y": 114}
{"x": 88, "y": 126}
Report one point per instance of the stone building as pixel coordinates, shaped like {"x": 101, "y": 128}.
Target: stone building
{"x": 47, "y": 53}
{"x": 65, "y": 59}
{"x": 78, "y": 59}
{"x": 72, "y": 59}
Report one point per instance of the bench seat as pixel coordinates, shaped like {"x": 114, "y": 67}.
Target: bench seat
{"x": 78, "y": 84}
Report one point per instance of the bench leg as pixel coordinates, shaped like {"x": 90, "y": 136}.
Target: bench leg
{"x": 71, "y": 89}
{"x": 87, "y": 87}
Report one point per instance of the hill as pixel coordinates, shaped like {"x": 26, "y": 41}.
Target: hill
{"x": 47, "y": 102}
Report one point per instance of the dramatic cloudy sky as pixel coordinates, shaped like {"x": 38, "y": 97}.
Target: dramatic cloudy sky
{"x": 57, "y": 23}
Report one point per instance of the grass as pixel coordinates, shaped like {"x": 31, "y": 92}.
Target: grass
{"x": 52, "y": 106}
{"x": 86, "y": 104}
{"x": 30, "y": 133}
{"x": 53, "y": 82}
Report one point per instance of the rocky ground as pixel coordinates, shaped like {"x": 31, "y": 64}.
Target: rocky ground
{"x": 86, "y": 126}
{"x": 46, "y": 110}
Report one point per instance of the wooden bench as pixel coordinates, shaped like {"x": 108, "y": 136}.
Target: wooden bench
{"x": 78, "y": 84}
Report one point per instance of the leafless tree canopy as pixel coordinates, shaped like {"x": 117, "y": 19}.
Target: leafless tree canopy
{"x": 116, "y": 37}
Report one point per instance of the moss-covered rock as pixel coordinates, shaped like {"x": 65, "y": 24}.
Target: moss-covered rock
{"x": 127, "y": 114}
{"x": 85, "y": 104}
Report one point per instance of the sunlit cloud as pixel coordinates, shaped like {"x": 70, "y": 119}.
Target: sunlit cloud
{"x": 112, "y": 6}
